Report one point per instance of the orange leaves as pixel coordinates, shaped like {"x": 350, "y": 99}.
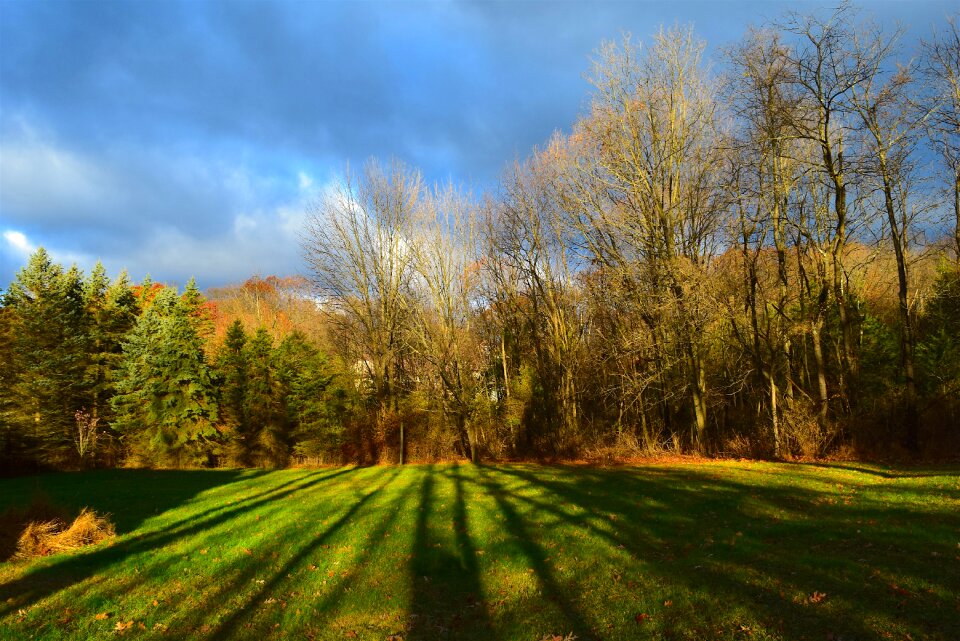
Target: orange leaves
{"x": 102, "y": 616}
{"x": 642, "y": 617}
{"x": 817, "y": 597}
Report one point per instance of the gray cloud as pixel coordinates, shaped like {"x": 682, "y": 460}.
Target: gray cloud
{"x": 143, "y": 132}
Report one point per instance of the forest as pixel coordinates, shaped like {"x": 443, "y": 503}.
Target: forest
{"x": 756, "y": 256}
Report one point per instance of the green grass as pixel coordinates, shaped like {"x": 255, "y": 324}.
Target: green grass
{"x": 719, "y": 550}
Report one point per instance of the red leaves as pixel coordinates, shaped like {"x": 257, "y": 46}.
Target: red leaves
{"x": 640, "y": 618}
{"x": 899, "y": 590}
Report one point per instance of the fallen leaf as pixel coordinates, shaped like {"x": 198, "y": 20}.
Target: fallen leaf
{"x": 102, "y": 616}
{"x": 351, "y": 634}
{"x": 667, "y": 604}
{"x": 817, "y": 597}
{"x": 640, "y": 618}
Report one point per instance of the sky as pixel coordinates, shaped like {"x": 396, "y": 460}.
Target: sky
{"x": 183, "y": 139}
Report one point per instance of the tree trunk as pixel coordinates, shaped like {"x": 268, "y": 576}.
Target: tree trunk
{"x": 898, "y": 236}
{"x": 822, "y": 399}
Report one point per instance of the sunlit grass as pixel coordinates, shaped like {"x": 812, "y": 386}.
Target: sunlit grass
{"x": 720, "y": 550}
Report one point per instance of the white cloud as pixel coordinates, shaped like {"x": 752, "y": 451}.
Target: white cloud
{"x": 306, "y": 182}
{"x": 169, "y": 213}
{"x": 18, "y": 241}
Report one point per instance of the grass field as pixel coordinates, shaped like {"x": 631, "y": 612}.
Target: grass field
{"x": 706, "y": 551}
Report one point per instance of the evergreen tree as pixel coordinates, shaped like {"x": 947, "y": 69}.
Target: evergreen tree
{"x": 48, "y": 331}
{"x": 314, "y": 410}
{"x": 197, "y": 308}
{"x": 166, "y": 393}
{"x": 13, "y": 446}
{"x": 232, "y": 367}
{"x": 939, "y": 349}
{"x": 264, "y": 401}
{"x": 112, "y": 310}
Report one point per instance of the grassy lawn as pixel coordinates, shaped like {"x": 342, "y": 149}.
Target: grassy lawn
{"x": 708, "y": 551}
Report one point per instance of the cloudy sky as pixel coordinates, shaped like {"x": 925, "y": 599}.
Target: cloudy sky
{"x": 188, "y": 138}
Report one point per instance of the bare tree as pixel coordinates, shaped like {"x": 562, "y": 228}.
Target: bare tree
{"x": 828, "y": 66}
{"x": 645, "y": 197}
{"x": 357, "y": 244}
{"x": 531, "y": 263}
{"x": 942, "y": 71}
{"x": 448, "y": 263}
{"x": 763, "y": 176}
{"x": 891, "y": 121}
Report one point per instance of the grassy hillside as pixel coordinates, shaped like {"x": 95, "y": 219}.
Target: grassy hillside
{"x": 719, "y": 550}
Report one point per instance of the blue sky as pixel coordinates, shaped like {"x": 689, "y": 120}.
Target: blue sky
{"x": 188, "y": 138}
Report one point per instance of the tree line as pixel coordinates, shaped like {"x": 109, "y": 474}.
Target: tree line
{"x": 759, "y": 260}
{"x": 94, "y": 372}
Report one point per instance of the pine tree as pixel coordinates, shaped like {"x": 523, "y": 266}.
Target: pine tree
{"x": 49, "y": 335}
{"x": 112, "y": 310}
{"x": 13, "y": 445}
{"x": 166, "y": 400}
{"x": 313, "y": 410}
{"x": 264, "y": 401}
{"x": 197, "y": 308}
{"x": 232, "y": 367}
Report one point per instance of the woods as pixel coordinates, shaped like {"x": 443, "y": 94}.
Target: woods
{"x": 757, "y": 257}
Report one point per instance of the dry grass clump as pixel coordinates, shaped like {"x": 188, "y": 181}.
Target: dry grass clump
{"x": 41, "y": 529}
{"x": 40, "y": 538}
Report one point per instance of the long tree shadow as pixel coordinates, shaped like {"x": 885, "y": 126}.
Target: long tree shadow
{"x": 559, "y": 595}
{"x": 45, "y": 580}
{"x": 228, "y": 628}
{"x": 805, "y": 546}
{"x": 129, "y": 497}
{"x": 446, "y": 592}
{"x": 774, "y": 553}
{"x": 907, "y": 473}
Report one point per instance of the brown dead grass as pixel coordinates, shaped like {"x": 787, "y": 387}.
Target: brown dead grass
{"x": 42, "y": 538}
{"x": 41, "y": 529}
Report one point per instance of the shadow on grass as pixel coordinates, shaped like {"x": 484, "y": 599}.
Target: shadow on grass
{"x": 63, "y": 572}
{"x": 779, "y": 552}
{"x": 228, "y": 628}
{"x": 447, "y": 595}
{"x": 766, "y": 550}
{"x": 905, "y": 473}
{"x": 129, "y": 497}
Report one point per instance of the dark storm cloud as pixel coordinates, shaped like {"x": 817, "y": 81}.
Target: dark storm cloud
{"x": 171, "y": 137}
